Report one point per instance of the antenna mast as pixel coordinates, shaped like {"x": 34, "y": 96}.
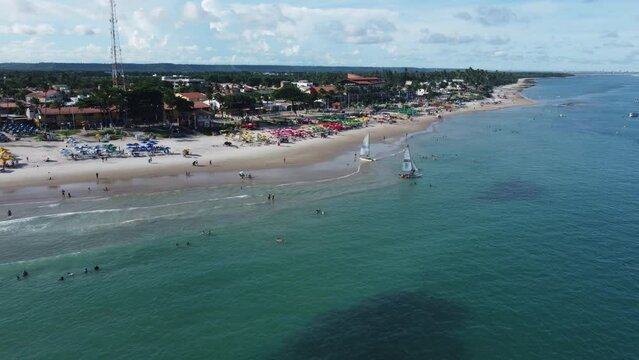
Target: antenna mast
{"x": 117, "y": 74}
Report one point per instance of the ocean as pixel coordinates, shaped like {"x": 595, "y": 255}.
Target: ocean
{"x": 521, "y": 241}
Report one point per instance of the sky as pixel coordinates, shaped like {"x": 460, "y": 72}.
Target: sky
{"x": 546, "y": 35}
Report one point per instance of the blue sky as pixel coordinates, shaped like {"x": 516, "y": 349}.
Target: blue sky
{"x": 575, "y": 35}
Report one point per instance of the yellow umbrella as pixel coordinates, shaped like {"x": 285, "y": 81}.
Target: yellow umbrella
{"x": 6, "y": 156}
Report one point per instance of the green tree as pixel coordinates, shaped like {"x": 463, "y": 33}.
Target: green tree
{"x": 292, "y": 94}
{"x": 145, "y": 106}
{"x": 235, "y": 103}
{"x": 107, "y": 99}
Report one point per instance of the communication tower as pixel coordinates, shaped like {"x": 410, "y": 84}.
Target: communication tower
{"x": 117, "y": 74}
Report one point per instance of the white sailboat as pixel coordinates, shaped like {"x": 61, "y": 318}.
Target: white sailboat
{"x": 365, "y": 149}
{"x": 409, "y": 169}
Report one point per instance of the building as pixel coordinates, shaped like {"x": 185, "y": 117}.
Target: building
{"x": 193, "y": 96}
{"x": 44, "y": 97}
{"x": 69, "y": 116}
{"x": 313, "y": 90}
{"x": 303, "y": 85}
{"x": 178, "y": 81}
{"x": 361, "y": 81}
{"x": 8, "y": 108}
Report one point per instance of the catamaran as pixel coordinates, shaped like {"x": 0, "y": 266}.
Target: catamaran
{"x": 409, "y": 169}
{"x": 365, "y": 149}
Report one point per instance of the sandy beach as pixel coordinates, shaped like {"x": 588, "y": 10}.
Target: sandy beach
{"x": 213, "y": 157}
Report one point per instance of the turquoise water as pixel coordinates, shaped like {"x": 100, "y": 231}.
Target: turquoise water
{"x": 521, "y": 241}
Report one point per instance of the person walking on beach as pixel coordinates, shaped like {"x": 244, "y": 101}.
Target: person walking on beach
{"x": 284, "y": 160}
{"x": 9, "y": 214}
{"x": 63, "y": 192}
{"x": 97, "y": 178}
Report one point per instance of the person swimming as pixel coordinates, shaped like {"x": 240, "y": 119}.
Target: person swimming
{"x": 86, "y": 271}
{"x": 280, "y": 240}
{"x": 25, "y": 274}
{"x": 61, "y": 278}
{"x": 96, "y": 268}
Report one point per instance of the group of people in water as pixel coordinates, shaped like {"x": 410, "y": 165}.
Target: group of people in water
{"x": 86, "y": 271}
{"x": 25, "y": 274}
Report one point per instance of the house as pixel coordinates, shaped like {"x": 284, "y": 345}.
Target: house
{"x": 200, "y": 115}
{"x": 65, "y": 89}
{"x": 193, "y": 96}
{"x": 69, "y": 116}
{"x": 44, "y": 97}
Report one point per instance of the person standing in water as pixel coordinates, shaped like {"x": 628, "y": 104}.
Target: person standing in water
{"x": 9, "y": 214}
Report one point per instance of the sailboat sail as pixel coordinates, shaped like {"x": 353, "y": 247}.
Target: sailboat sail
{"x": 365, "y": 149}
{"x": 407, "y": 164}
{"x": 414, "y": 167}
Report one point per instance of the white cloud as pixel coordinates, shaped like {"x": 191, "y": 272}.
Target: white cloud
{"x": 292, "y": 50}
{"x": 190, "y": 11}
{"x": 143, "y": 30}
{"x": 24, "y": 29}
{"x": 490, "y": 15}
{"x": 609, "y": 34}
{"x": 82, "y": 30}
{"x": 189, "y": 48}
{"x": 391, "y": 49}
{"x": 363, "y": 33}
{"x": 456, "y": 39}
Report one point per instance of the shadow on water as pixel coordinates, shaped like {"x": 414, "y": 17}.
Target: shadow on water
{"x": 407, "y": 325}
{"x": 513, "y": 189}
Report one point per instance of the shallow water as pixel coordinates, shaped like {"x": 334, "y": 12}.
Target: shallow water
{"x": 518, "y": 242}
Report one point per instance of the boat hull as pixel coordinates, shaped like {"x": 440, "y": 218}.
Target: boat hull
{"x": 367, "y": 159}
{"x": 410, "y": 176}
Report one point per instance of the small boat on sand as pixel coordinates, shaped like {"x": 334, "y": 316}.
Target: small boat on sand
{"x": 365, "y": 149}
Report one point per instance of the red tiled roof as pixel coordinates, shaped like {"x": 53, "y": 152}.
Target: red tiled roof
{"x": 192, "y": 96}
{"x": 327, "y": 88}
{"x": 68, "y": 110}
{"x": 38, "y": 94}
{"x": 361, "y": 80}
{"x": 200, "y": 105}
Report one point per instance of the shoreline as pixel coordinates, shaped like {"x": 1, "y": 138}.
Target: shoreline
{"x": 304, "y": 160}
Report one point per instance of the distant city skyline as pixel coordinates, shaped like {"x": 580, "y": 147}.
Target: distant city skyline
{"x": 571, "y": 35}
